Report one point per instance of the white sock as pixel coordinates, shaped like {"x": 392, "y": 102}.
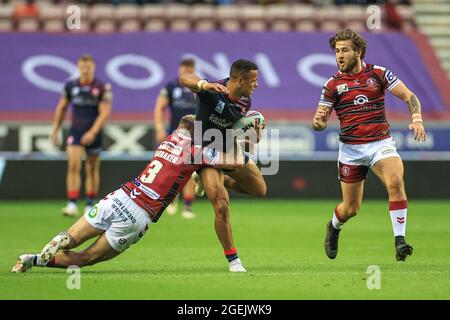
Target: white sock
{"x": 398, "y": 210}
{"x": 39, "y": 263}
{"x": 335, "y": 221}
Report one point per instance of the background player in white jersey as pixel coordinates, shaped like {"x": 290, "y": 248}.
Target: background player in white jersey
{"x": 356, "y": 93}
{"x": 123, "y": 216}
{"x": 91, "y": 105}
{"x": 179, "y": 101}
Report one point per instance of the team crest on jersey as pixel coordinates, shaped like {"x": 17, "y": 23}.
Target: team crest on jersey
{"x": 95, "y": 92}
{"x": 342, "y": 88}
{"x": 372, "y": 83}
{"x": 220, "y": 106}
{"x": 75, "y": 91}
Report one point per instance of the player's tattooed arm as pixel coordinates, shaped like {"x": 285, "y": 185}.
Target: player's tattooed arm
{"x": 414, "y": 105}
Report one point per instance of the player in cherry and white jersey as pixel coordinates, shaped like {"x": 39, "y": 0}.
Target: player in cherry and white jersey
{"x": 356, "y": 93}
{"x": 123, "y": 216}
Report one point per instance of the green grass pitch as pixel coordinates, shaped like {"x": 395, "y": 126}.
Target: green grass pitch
{"x": 280, "y": 243}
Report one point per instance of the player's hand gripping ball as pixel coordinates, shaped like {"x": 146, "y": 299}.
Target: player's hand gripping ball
{"x": 252, "y": 123}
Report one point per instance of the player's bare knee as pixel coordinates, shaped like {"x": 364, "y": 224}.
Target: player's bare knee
{"x": 74, "y": 167}
{"x": 221, "y": 206}
{"x": 395, "y": 184}
{"x": 351, "y": 210}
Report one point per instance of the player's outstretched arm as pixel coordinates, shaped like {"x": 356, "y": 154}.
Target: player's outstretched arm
{"x": 196, "y": 84}
{"x": 401, "y": 91}
{"x": 321, "y": 117}
{"x": 58, "y": 118}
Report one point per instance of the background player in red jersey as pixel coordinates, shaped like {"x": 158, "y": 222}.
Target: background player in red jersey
{"x": 180, "y": 101}
{"x": 91, "y": 106}
{"x": 356, "y": 93}
{"x": 123, "y": 216}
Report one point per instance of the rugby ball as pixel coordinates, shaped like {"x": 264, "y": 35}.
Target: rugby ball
{"x": 251, "y": 120}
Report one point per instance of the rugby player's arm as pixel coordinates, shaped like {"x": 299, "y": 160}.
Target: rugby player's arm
{"x": 58, "y": 118}
{"x": 321, "y": 117}
{"x": 197, "y": 84}
{"x": 104, "y": 110}
{"x": 162, "y": 102}
{"x": 401, "y": 91}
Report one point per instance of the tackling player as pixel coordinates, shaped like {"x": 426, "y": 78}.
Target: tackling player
{"x": 123, "y": 216}
{"x": 180, "y": 101}
{"x": 356, "y": 92}
{"x": 91, "y": 103}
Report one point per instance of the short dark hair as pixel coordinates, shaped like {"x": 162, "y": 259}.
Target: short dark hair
{"x": 187, "y": 62}
{"x": 242, "y": 67}
{"x": 86, "y": 57}
{"x": 359, "y": 43}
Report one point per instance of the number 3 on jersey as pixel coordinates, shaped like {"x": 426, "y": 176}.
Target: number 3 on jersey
{"x": 154, "y": 167}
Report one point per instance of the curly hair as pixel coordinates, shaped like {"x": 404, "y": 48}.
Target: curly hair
{"x": 359, "y": 43}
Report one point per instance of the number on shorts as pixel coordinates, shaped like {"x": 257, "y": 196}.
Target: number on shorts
{"x": 152, "y": 171}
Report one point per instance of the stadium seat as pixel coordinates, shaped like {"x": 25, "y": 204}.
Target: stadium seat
{"x": 330, "y": 26}
{"x": 305, "y": 26}
{"x": 350, "y": 13}
{"x": 6, "y": 25}
{"x": 101, "y": 12}
{"x": 204, "y": 25}
{"x": 105, "y": 26}
{"x": 228, "y": 18}
{"x": 280, "y": 26}
{"x": 154, "y": 25}
{"x": 28, "y": 25}
{"x": 176, "y": 11}
{"x": 358, "y": 26}
{"x": 180, "y": 25}
{"x": 278, "y": 17}
{"x": 231, "y": 25}
{"x": 53, "y": 25}
{"x": 151, "y": 11}
{"x": 129, "y": 25}
{"x": 127, "y": 12}
{"x": 6, "y": 10}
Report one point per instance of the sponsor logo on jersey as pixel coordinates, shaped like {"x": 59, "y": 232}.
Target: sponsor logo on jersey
{"x": 220, "y": 122}
{"x": 220, "y": 106}
{"x": 93, "y": 212}
{"x": 342, "y": 88}
{"x": 360, "y": 99}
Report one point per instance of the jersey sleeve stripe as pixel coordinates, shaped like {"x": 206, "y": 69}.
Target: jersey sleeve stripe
{"x": 393, "y": 84}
